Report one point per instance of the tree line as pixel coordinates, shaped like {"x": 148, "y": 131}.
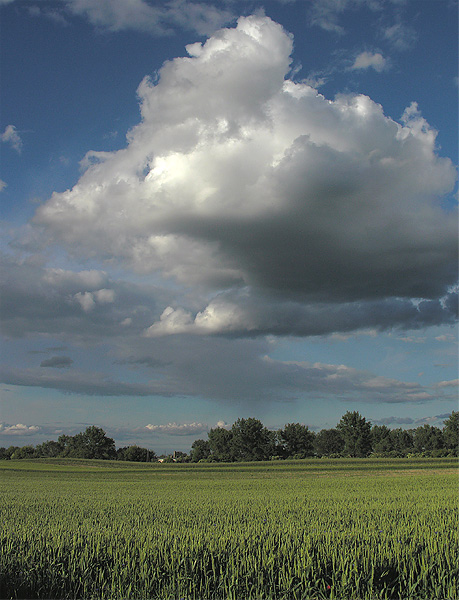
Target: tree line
{"x": 249, "y": 440}
{"x": 354, "y": 436}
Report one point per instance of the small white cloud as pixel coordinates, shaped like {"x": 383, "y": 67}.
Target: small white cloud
{"x": 105, "y": 296}
{"x": 62, "y": 278}
{"x": 18, "y": 429}
{"x": 177, "y": 429}
{"x": 450, "y": 383}
{"x": 446, "y": 338}
{"x": 3, "y": 185}
{"x": 412, "y": 340}
{"x": 11, "y": 136}
{"x": 171, "y": 321}
{"x": 86, "y": 301}
{"x": 367, "y": 60}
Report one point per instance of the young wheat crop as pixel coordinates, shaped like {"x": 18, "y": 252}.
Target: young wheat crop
{"x": 285, "y": 532}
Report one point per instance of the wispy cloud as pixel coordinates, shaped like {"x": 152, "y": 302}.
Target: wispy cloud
{"x": 159, "y": 18}
{"x": 415, "y": 422}
{"x": 401, "y": 36}
{"x": 79, "y": 382}
{"x": 326, "y": 13}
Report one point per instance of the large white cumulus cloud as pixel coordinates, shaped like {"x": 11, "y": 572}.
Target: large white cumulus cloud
{"x": 237, "y": 178}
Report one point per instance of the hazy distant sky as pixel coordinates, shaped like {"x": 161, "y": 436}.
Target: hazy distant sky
{"x": 225, "y": 209}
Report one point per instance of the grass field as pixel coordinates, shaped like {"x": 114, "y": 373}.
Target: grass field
{"x": 343, "y": 529}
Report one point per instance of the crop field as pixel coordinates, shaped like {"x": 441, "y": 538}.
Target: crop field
{"x": 311, "y": 529}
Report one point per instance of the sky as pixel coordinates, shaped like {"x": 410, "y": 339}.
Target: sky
{"x": 215, "y": 210}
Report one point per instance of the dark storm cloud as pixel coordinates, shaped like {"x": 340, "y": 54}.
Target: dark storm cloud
{"x": 57, "y": 362}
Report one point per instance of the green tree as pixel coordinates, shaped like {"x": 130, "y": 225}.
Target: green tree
{"x": 11, "y": 450}
{"x": 402, "y": 441}
{"x": 24, "y": 452}
{"x": 135, "y": 454}
{"x": 91, "y": 443}
{"x": 220, "y": 443}
{"x": 328, "y": 442}
{"x": 427, "y": 438}
{"x": 451, "y": 432}
{"x": 296, "y": 440}
{"x": 200, "y": 450}
{"x": 252, "y": 440}
{"x": 180, "y": 457}
{"x": 381, "y": 440}
{"x": 356, "y": 432}
{"x": 68, "y": 445}
{"x": 49, "y": 449}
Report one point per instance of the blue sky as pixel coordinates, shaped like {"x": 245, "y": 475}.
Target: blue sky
{"x": 214, "y": 210}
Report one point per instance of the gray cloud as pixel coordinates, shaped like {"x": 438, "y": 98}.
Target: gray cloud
{"x": 78, "y": 382}
{"x": 224, "y": 369}
{"x": 57, "y": 362}
{"x": 244, "y": 313}
{"x": 394, "y": 421}
{"x": 436, "y": 420}
{"x": 85, "y": 305}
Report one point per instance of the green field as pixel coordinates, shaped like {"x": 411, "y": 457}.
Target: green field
{"x": 343, "y": 529}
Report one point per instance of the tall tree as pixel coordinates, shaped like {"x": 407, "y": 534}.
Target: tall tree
{"x": 49, "y": 449}
{"x": 381, "y": 439}
{"x": 296, "y": 440}
{"x": 252, "y": 440}
{"x": 24, "y": 452}
{"x": 200, "y": 450}
{"x": 91, "y": 443}
{"x": 402, "y": 441}
{"x": 356, "y": 432}
{"x": 451, "y": 432}
{"x": 427, "y": 438}
{"x": 328, "y": 442}
{"x": 136, "y": 454}
{"x": 220, "y": 442}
